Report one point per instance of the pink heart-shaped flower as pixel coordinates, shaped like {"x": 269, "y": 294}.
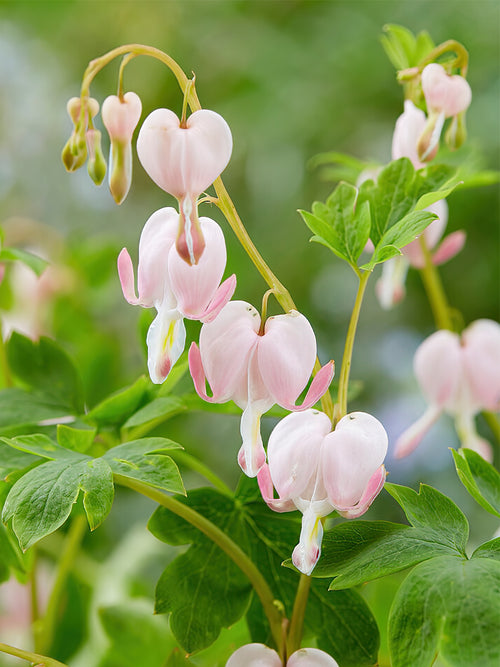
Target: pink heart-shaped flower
{"x": 443, "y": 93}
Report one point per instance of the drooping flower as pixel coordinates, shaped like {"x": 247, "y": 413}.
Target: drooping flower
{"x": 317, "y": 470}
{"x": 184, "y": 159}
{"x": 259, "y": 655}
{"x": 120, "y": 116}
{"x": 446, "y": 97}
{"x": 459, "y": 375}
{"x": 176, "y": 289}
{"x": 257, "y": 368}
{"x": 409, "y": 126}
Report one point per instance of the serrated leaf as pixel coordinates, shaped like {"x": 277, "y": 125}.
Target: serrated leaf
{"x": 324, "y": 234}
{"x": 480, "y": 479}
{"x": 41, "y": 500}
{"x": 40, "y": 444}
{"x": 431, "y": 510}
{"x": 358, "y": 551}
{"x": 451, "y": 606}
{"x": 46, "y": 368}
{"x": 96, "y": 482}
{"x": 34, "y": 262}
{"x": 489, "y": 549}
{"x": 76, "y": 439}
{"x": 144, "y": 460}
{"x": 406, "y": 230}
{"x": 117, "y": 408}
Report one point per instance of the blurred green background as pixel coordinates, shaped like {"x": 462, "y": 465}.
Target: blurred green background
{"x": 293, "y": 79}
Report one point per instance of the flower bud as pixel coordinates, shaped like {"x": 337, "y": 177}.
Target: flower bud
{"x": 120, "y": 117}
{"x": 443, "y": 93}
{"x": 96, "y": 165}
{"x": 456, "y": 134}
{"x": 74, "y": 152}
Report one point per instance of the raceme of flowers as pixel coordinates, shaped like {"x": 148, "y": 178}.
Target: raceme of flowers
{"x": 459, "y": 375}
{"x": 259, "y": 655}
{"x": 317, "y": 470}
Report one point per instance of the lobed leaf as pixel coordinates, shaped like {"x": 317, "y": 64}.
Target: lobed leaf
{"x": 480, "y": 479}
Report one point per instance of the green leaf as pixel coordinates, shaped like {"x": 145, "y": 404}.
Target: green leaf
{"x": 489, "y": 549}
{"x": 42, "y": 499}
{"x": 117, "y": 408}
{"x": 202, "y": 588}
{"x": 399, "y": 45}
{"x": 35, "y": 263}
{"x": 96, "y": 483}
{"x": 358, "y": 551}
{"x": 177, "y": 659}
{"x": 137, "y": 636}
{"x": 12, "y": 460}
{"x": 341, "y": 167}
{"x": 451, "y": 606}
{"x": 40, "y": 444}
{"x": 145, "y": 460}
{"x": 158, "y": 410}
{"x": 443, "y": 522}
{"x": 46, "y": 368}
{"x": 423, "y": 47}
{"x": 21, "y": 409}
{"x": 11, "y": 557}
{"x": 323, "y": 233}
{"x": 480, "y": 479}
{"x": 76, "y": 439}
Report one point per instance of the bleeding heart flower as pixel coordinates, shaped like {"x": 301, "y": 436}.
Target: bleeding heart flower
{"x": 183, "y": 160}
{"x": 459, "y": 375}
{"x": 259, "y": 655}
{"x": 409, "y": 127}
{"x": 120, "y": 116}
{"x": 317, "y": 470}
{"x": 174, "y": 288}
{"x": 257, "y": 369}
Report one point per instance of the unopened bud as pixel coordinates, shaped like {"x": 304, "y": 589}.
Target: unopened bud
{"x": 428, "y": 142}
{"x": 120, "y": 169}
{"x": 74, "y": 152}
{"x": 456, "y": 134}
{"x": 190, "y": 242}
{"x": 96, "y": 165}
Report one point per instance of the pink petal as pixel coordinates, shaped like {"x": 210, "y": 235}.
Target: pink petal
{"x": 373, "y": 488}
{"x": 308, "y": 550}
{"x": 120, "y": 116}
{"x": 254, "y": 655}
{"x": 198, "y": 374}
{"x": 222, "y": 296}
{"x": 286, "y": 356}
{"x": 293, "y": 452}
{"x": 443, "y": 93}
{"x": 194, "y": 286}
{"x": 165, "y": 340}
{"x": 410, "y": 439}
{"x": 226, "y": 344}
{"x": 350, "y": 456}
{"x": 451, "y": 246}
{"x": 409, "y": 127}
{"x": 438, "y": 368}
{"x": 126, "y": 275}
{"x": 481, "y": 359}
{"x": 267, "y": 492}
{"x": 310, "y": 657}
{"x": 184, "y": 160}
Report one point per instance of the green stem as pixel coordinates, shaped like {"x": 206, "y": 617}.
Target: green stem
{"x": 35, "y": 658}
{"x": 35, "y": 610}
{"x": 462, "y": 59}
{"x": 197, "y": 466}
{"x": 298, "y": 614}
{"x": 493, "y": 422}
{"x": 71, "y": 547}
{"x": 223, "y": 541}
{"x": 4, "y": 364}
{"x": 341, "y": 405}
{"x": 434, "y": 289}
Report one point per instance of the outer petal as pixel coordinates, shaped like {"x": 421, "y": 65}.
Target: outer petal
{"x": 293, "y": 452}
{"x": 194, "y": 286}
{"x": 267, "y": 492}
{"x": 410, "y": 439}
{"x": 481, "y": 359}
{"x": 350, "y": 456}
{"x": 310, "y": 657}
{"x": 450, "y": 94}
{"x": 165, "y": 340}
{"x": 308, "y": 550}
{"x": 438, "y": 367}
{"x": 409, "y": 127}
{"x": 286, "y": 356}
{"x": 120, "y": 116}
{"x": 254, "y": 655}
{"x": 184, "y": 160}
{"x": 451, "y": 246}
{"x": 225, "y": 348}
{"x": 373, "y": 488}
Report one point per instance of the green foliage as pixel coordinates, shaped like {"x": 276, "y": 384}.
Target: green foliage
{"x": 41, "y": 500}
{"x": 12, "y": 558}
{"x": 403, "y": 48}
{"x": 47, "y": 370}
{"x": 480, "y": 479}
{"x": 21, "y": 410}
{"x": 117, "y": 408}
{"x": 451, "y": 606}
{"x": 35, "y": 263}
{"x": 204, "y": 591}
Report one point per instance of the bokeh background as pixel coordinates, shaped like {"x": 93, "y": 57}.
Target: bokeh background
{"x": 293, "y": 79}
